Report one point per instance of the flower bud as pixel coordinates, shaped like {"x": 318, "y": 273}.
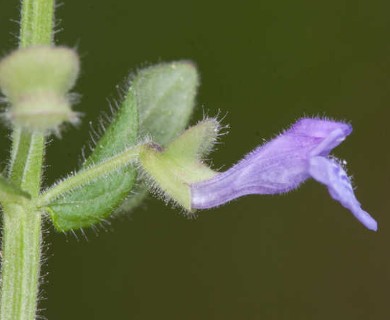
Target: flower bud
{"x": 36, "y": 82}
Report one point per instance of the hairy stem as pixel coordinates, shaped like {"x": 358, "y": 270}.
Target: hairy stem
{"x": 26, "y": 160}
{"x": 21, "y": 263}
{"x": 21, "y": 241}
{"x": 36, "y": 23}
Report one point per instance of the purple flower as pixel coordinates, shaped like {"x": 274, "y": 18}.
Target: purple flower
{"x": 283, "y": 164}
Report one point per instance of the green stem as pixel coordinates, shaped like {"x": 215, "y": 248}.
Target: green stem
{"x": 36, "y": 25}
{"x": 26, "y": 160}
{"x": 21, "y": 263}
{"x": 10, "y": 193}
{"x": 21, "y": 241}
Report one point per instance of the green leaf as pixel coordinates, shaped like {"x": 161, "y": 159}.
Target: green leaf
{"x": 165, "y": 98}
{"x": 94, "y": 202}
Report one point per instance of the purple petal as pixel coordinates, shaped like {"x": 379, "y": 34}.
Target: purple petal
{"x": 330, "y": 173}
{"x": 319, "y": 128}
{"x": 276, "y": 167}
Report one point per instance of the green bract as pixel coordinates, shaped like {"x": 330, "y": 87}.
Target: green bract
{"x": 161, "y": 100}
{"x": 165, "y": 98}
{"x": 92, "y": 203}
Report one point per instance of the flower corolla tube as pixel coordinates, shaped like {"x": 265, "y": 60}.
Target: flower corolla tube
{"x": 282, "y": 164}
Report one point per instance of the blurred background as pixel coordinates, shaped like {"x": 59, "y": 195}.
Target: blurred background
{"x": 263, "y": 65}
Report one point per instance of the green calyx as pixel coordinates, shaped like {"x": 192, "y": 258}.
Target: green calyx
{"x": 172, "y": 170}
{"x": 165, "y": 96}
{"x": 36, "y": 81}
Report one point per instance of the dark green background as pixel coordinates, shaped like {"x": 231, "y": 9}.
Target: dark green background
{"x": 263, "y": 65}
